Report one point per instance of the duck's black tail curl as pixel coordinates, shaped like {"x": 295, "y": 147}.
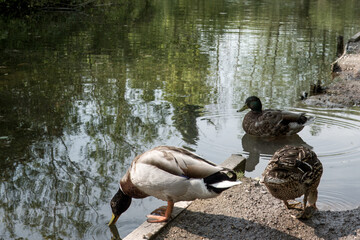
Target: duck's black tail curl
{"x": 221, "y": 176}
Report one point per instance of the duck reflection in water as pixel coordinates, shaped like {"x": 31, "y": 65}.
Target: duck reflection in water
{"x": 114, "y": 232}
{"x": 263, "y": 146}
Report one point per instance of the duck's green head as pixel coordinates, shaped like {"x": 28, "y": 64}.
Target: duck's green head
{"x": 119, "y": 204}
{"x": 253, "y": 103}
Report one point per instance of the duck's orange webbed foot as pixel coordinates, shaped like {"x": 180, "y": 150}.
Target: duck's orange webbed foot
{"x": 164, "y": 212}
{"x": 159, "y": 211}
{"x": 156, "y": 219}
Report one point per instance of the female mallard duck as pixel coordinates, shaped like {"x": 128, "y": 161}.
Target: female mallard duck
{"x": 291, "y": 173}
{"x": 171, "y": 174}
{"x": 270, "y": 122}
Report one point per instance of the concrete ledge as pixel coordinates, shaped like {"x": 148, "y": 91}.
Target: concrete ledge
{"x": 235, "y": 162}
{"x": 149, "y": 230}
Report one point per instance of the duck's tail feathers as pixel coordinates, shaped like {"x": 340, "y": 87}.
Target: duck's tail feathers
{"x": 225, "y": 184}
{"x": 221, "y": 180}
{"x": 310, "y": 120}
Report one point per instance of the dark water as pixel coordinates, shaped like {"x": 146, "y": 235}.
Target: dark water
{"x": 81, "y": 94}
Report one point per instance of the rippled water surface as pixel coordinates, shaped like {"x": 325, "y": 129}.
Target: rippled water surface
{"x": 82, "y": 93}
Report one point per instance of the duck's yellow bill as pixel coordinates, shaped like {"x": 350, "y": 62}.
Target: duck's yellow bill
{"x": 113, "y": 220}
{"x": 243, "y": 108}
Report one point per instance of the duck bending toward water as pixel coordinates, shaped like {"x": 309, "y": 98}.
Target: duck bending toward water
{"x": 171, "y": 174}
{"x": 271, "y": 122}
{"x": 291, "y": 173}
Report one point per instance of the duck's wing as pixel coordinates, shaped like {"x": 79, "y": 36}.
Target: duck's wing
{"x": 276, "y": 122}
{"x": 289, "y": 117}
{"x": 178, "y": 161}
{"x": 282, "y": 168}
{"x": 292, "y": 163}
{"x": 275, "y": 117}
{"x": 270, "y": 117}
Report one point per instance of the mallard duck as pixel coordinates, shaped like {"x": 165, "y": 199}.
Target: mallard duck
{"x": 171, "y": 174}
{"x": 294, "y": 171}
{"x": 270, "y": 122}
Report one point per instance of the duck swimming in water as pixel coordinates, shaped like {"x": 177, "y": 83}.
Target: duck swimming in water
{"x": 271, "y": 122}
{"x": 171, "y": 174}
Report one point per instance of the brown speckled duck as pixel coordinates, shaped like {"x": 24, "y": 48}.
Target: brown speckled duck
{"x": 171, "y": 174}
{"x": 292, "y": 172}
{"x": 271, "y": 122}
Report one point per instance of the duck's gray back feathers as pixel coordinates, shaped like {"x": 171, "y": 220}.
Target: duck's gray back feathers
{"x": 179, "y": 161}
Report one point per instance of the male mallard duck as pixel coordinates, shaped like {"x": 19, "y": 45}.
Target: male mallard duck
{"x": 270, "y": 122}
{"x": 291, "y": 173}
{"x": 171, "y": 174}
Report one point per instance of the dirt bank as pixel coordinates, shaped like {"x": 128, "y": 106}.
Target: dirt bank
{"x": 345, "y": 93}
{"x": 248, "y": 211}
{"x": 345, "y": 89}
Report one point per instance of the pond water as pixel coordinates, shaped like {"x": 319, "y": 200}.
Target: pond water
{"x": 81, "y": 94}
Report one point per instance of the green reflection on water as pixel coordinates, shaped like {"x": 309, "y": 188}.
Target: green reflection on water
{"x": 82, "y": 93}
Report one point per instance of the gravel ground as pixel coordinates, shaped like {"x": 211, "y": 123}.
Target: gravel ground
{"x": 248, "y": 211}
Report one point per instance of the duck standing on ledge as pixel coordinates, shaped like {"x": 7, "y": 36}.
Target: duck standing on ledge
{"x": 270, "y": 122}
{"x": 293, "y": 172}
{"x": 171, "y": 174}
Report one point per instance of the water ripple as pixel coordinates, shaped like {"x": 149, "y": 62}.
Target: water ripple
{"x": 99, "y": 231}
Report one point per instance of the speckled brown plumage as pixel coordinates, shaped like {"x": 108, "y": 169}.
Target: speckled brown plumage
{"x": 271, "y": 122}
{"x": 292, "y": 172}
